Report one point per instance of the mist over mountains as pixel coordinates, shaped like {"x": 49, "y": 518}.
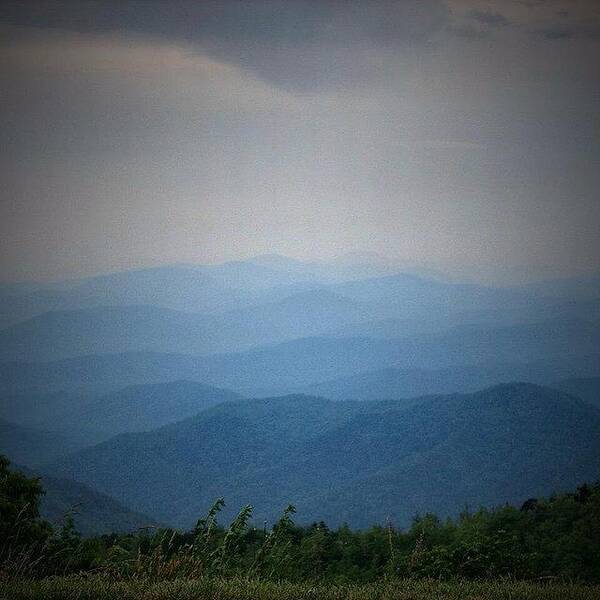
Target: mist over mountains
{"x": 351, "y": 388}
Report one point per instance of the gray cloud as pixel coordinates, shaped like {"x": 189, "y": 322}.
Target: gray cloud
{"x": 274, "y": 22}
{"x": 140, "y": 133}
{"x": 469, "y": 32}
{"x": 489, "y": 19}
{"x": 548, "y": 19}
{"x": 569, "y": 32}
{"x": 298, "y": 44}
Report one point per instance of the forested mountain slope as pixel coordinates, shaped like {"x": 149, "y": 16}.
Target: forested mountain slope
{"x": 351, "y": 461}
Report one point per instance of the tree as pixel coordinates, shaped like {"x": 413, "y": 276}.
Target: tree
{"x": 20, "y": 522}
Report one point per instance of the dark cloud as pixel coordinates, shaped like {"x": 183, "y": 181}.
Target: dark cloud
{"x": 531, "y": 3}
{"x": 489, "y": 19}
{"x": 561, "y": 32}
{"x": 289, "y": 22}
{"x": 469, "y": 32}
{"x": 558, "y": 33}
{"x": 292, "y": 43}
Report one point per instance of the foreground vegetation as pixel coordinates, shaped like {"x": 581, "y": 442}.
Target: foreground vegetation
{"x": 103, "y": 588}
{"x": 544, "y": 549}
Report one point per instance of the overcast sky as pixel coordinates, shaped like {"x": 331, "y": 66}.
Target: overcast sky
{"x": 462, "y": 134}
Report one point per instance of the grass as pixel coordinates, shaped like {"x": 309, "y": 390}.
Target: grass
{"x": 105, "y": 588}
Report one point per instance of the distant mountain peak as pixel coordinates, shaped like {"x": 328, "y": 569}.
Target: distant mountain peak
{"x": 273, "y": 259}
{"x": 366, "y": 257}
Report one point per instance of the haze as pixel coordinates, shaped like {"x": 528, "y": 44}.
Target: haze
{"x": 460, "y": 135}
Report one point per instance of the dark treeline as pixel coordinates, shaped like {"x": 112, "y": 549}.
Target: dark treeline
{"x": 557, "y": 537}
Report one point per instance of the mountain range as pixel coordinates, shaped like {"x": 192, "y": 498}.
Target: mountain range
{"x": 353, "y": 388}
{"x": 34, "y": 446}
{"x": 586, "y": 388}
{"x": 78, "y": 419}
{"x": 351, "y": 461}
{"x": 569, "y": 347}
{"x": 93, "y": 513}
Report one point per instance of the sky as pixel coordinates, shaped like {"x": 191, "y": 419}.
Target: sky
{"x": 461, "y": 134}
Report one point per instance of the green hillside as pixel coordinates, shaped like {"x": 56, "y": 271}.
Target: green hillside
{"x": 334, "y": 459}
